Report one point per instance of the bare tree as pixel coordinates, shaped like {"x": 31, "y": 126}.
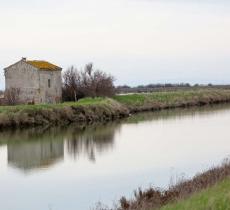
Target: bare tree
{"x": 12, "y": 96}
{"x": 103, "y": 84}
{"x": 86, "y": 83}
{"x": 72, "y": 84}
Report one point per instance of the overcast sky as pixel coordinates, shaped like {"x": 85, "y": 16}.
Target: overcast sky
{"x": 137, "y": 41}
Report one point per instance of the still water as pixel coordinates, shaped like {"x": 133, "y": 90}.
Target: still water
{"x": 73, "y": 168}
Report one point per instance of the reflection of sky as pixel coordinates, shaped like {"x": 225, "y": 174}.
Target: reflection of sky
{"x": 149, "y": 152}
{"x": 157, "y": 41}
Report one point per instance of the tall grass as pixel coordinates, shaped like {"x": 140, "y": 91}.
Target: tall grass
{"x": 152, "y": 198}
{"x": 213, "y": 198}
{"x": 87, "y": 110}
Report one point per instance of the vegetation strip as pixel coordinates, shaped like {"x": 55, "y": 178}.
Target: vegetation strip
{"x": 89, "y": 110}
{"x": 196, "y": 191}
{"x": 216, "y": 197}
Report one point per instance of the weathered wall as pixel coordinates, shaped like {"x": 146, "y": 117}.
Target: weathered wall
{"x": 26, "y": 78}
{"x": 33, "y": 83}
{"x": 53, "y": 93}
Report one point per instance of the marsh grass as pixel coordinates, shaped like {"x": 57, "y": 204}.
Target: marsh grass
{"x": 175, "y": 197}
{"x": 86, "y": 110}
{"x": 213, "y": 198}
{"x": 104, "y": 109}
{"x": 174, "y": 98}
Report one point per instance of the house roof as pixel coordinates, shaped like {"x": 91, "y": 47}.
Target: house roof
{"x": 43, "y": 65}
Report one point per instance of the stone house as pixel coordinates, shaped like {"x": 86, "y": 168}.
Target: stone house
{"x": 37, "y": 81}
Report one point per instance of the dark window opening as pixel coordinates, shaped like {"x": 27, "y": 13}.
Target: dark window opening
{"x": 49, "y": 83}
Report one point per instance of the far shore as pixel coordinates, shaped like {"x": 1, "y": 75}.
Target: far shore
{"x": 90, "y": 110}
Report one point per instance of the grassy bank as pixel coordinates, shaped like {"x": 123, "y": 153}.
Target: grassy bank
{"x": 207, "y": 190}
{"x": 104, "y": 109}
{"x": 214, "y": 198}
{"x": 174, "y": 99}
{"x": 84, "y": 111}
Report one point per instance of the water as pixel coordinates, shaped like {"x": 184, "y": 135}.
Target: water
{"x": 73, "y": 168}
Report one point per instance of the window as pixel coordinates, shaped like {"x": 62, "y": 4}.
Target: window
{"x": 49, "y": 83}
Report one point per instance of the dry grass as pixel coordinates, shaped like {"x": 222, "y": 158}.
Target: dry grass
{"x": 105, "y": 109}
{"x": 155, "y": 198}
{"x": 86, "y": 111}
{"x": 216, "y": 197}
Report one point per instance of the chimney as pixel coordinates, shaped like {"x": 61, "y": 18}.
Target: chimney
{"x": 23, "y": 59}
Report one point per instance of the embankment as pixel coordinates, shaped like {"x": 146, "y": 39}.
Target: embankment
{"x": 105, "y": 109}
{"x": 102, "y": 110}
{"x": 208, "y": 190}
{"x": 175, "y": 99}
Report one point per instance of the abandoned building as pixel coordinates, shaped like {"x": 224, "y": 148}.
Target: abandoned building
{"x": 36, "y": 81}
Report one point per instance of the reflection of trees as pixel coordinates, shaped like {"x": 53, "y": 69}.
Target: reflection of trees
{"x": 177, "y": 113}
{"x": 91, "y": 141}
{"x": 35, "y": 148}
{"x": 40, "y": 148}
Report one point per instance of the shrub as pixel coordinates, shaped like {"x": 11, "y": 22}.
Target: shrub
{"x": 12, "y": 96}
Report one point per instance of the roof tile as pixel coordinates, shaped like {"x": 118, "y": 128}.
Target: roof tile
{"x": 43, "y": 65}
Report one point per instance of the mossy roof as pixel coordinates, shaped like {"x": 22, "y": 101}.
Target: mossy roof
{"x": 44, "y": 65}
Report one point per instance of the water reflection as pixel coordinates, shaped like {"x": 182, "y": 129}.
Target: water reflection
{"x": 41, "y": 148}
{"x": 29, "y": 155}
{"x": 144, "y": 149}
{"x": 90, "y": 141}
{"x": 177, "y": 113}
{"x": 33, "y": 148}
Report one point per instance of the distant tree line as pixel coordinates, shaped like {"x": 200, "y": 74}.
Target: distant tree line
{"x": 162, "y": 87}
{"x": 86, "y": 83}
{"x": 158, "y": 85}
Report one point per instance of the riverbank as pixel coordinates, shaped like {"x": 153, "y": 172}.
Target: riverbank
{"x": 175, "y": 99}
{"x": 106, "y": 109}
{"x": 85, "y": 111}
{"x": 208, "y": 190}
{"x": 216, "y": 197}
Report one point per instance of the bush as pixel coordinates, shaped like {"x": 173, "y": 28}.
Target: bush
{"x": 12, "y": 96}
{"x": 2, "y": 99}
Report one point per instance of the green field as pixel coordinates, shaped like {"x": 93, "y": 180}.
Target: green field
{"x": 158, "y": 100}
{"x": 172, "y": 98}
{"x": 214, "y": 198}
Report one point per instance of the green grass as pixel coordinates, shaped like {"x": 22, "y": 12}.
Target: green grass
{"x": 214, "y": 198}
{"x": 171, "y": 98}
{"x": 82, "y": 102}
{"x": 157, "y": 99}
{"x": 132, "y": 99}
